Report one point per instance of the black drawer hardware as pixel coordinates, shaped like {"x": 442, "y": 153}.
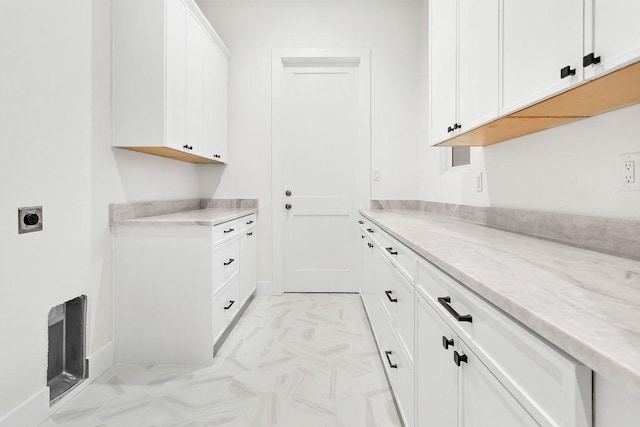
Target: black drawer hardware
{"x": 459, "y": 358}
{"x": 360, "y": 222}
{"x": 216, "y": 156}
{"x": 187, "y": 147}
{"x": 460, "y": 318}
{"x": 249, "y": 222}
{"x": 388, "y": 294}
{"x": 567, "y": 71}
{"x": 457, "y": 126}
{"x": 362, "y": 236}
{"x": 229, "y": 262}
{"x": 249, "y": 234}
{"x": 391, "y": 365}
{"x": 450, "y": 129}
{"x": 391, "y": 251}
{"x": 370, "y": 230}
{"x": 446, "y": 342}
{"x": 229, "y": 306}
{"x": 370, "y": 245}
{"x": 229, "y": 230}
{"x": 590, "y": 59}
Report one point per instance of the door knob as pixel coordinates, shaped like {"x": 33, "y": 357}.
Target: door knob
{"x": 287, "y": 193}
{"x": 287, "y": 206}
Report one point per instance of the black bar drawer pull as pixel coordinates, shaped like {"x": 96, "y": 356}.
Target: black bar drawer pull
{"x": 229, "y": 262}
{"x": 370, "y": 230}
{"x": 360, "y": 222}
{"x": 388, "y": 294}
{"x": 229, "y": 230}
{"x": 229, "y": 306}
{"x": 459, "y": 358}
{"x": 250, "y": 234}
{"x": 370, "y": 245}
{"x": 567, "y": 71}
{"x": 249, "y": 222}
{"x": 391, "y": 251}
{"x": 391, "y": 365}
{"x": 460, "y": 318}
{"x": 446, "y": 342}
{"x": 362, "y": 236}
{"x": 590, "y": 59}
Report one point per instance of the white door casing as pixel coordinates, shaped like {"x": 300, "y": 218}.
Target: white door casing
{"x": 321, "y": 153}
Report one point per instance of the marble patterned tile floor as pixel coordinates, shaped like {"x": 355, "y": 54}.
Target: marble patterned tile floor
{"x": 302, "y": 360}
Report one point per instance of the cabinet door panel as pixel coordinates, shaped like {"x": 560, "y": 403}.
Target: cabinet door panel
{"x": 539, "y": 39}
{"x": 478, "y": 68}
{"x": 248, "y": 275}
{"x": 442, "y": 68}
{"x": 194, "y": 75}
{"x": 209, "y": 94}
{"x": 436, "y": 374}
{"x": 616, "y": 33}
{"x": 176, "y": 16}
{"x": 484, "y": 401}
{"x": 219, "y": 103}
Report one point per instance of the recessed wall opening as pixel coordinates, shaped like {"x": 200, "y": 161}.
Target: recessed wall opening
{"x": 67, "y": 363}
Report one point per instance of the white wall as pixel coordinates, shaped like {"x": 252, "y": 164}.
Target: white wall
{"x": 55, "y": 152}
{"x": 252, "y": 29}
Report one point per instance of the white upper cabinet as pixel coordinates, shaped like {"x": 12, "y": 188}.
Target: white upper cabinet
{"x": 169, "y": 81}
{"x": 542, "y": 50}
{"x": 464, "y": 67}
{"x": 478, "y": 62}
{"x": 442, "y": 68}
{"x": 613, "y": 38}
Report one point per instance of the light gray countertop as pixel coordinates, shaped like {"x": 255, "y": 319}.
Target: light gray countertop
{"x": 209, "y": 217}
{"x": 586, "y": 303}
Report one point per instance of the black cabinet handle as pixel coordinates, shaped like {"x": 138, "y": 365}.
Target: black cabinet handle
{"x": 250, "y": 234}
{"x": 391, "y": 365}
{"x": 229, "y": 262}
{"x": 457, "y": 126}
{"x": 229, "y": 306}
{"x": 459, "y": 358}
{"x": 590, "y": 59}
{"x": 249, "y": 222}
{"x": 360, "y": 222}
{"x": 388, "y": 294}
{"x": 391, "y": 251}
{"x": 361, "y": 236}
{"x": 187, "y": 147}
{"x": 446, "y": 342}
{"x": 370, "y": 245}
{"x": 450, "y": 129}
{"x": 216, "y": 156}
{"x": 567, "y": 71}
{"x": 460, "y": 318}
{"x": 370, "y": 230}
{"x": 229, "y": 230}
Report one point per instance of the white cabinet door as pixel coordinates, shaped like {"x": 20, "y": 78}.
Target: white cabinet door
{"x": 176, "y": 15}
{"x": 616, "y": 34}
{"x": 194, "y": 73}
{"x": 442, "y": 68}
{"x": 483, "y": 399}
{"x": 540, "y": 38}
{"x": 248, "y": 274}
{"x": 478, "y": 67}
{"x": 436, "y": 374}
{"x": 209, "y": 94}
{"x": 219, "y": 104}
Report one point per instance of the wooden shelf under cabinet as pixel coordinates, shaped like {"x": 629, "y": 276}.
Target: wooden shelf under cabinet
{"x": 173, "y": 154}
{"x": 610, "y": 92}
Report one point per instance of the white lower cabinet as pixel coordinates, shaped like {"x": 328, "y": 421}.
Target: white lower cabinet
{"x": 177, "y": 289}
{"x": 248, "y": 273}
{"x": 454, "y": 360}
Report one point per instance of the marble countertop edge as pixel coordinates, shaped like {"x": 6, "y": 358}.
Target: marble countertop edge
{"x": 197, "y": 217}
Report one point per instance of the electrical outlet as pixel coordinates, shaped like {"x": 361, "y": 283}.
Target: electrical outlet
{"x": 629, "y": 164}
{"x": 479, "y": 182}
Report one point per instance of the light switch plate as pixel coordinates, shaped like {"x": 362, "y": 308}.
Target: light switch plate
{"x": 377, "y": 175}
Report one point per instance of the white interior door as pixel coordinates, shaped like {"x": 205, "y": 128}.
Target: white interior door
{"x": 320, "y": 169}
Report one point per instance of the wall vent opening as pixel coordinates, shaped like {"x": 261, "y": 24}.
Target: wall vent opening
{"x": 67, "y": 347}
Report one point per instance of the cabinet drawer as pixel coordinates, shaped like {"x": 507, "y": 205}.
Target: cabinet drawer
{"x": 226, "y": 230}
{"x": 399, "y": 367}
{"x": 226, "y": 262}
{"x": 248, "y": 221}
{"x": 538, "y": 375}
{"x": 400, "y": 255}
{"x": 225, "y": 306}
{"x": 398, "y": 298}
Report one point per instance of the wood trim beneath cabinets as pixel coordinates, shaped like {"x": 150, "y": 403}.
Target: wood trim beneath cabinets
{"x": 615, "y": 90}
{"x": 172, "y": 154}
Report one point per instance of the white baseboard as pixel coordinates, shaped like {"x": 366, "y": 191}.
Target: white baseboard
{"x": 36, "y": 409}
{"x": 267, "y": 288}
{"x": 30, "y": 413}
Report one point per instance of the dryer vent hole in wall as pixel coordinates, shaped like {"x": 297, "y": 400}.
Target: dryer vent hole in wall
{"x": 67, "y": 365}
